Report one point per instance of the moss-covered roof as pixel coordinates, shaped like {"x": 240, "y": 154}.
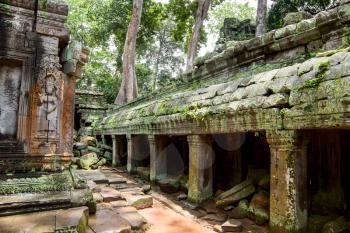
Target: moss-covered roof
{"x": 286, "y": 90}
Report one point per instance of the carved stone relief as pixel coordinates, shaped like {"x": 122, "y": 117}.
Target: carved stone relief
{"x": 10, "y": 82}
{"x": 49, "y": 86}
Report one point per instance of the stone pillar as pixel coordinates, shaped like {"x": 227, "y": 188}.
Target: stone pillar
{"x": 288, "y": 198}
{"x": 158, "y": 145}
{"x": 118, "y": 150}
{"x": 132, "y": 165}
{"x": 200, "y": 183}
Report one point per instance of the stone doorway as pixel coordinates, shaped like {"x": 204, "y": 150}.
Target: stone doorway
{"x": 10, "y": 84}
{"x": 328, "y": 176}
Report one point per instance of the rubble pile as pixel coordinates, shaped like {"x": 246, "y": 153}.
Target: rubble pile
{"x": 247, "y": 200}
{"x": 91, "y": 154}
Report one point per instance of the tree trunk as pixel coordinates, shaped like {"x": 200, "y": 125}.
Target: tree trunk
{"x": 261, "y": 17}
{"x": 161, "y": 42}
{"x": 128, "y": 88}
{"x": 202, "y": 12}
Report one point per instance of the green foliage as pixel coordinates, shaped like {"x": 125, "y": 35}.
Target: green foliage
{"x": 280, "y": 8}
{"x": 229, "y": 9}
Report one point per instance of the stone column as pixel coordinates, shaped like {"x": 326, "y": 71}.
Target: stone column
{"x": 118, "y": 150}
{"x": 132, "y": 165}
{"x": 288, "y": 198}
{"x": 158, "y": 145}
{"x": 200, "y": 183}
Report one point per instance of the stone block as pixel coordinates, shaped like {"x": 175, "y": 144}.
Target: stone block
{"x": 130, "y": 214}
{"x": 74, "y": 218}
{"x": 110, "y": 194}
{"x": 139, "y": 201}
{"x": 232, "y": 225}
{"x": 107, "y": 220}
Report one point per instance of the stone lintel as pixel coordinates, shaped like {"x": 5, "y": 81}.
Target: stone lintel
{"x": 288, "y": 198}
{"x": 200, "y": 184}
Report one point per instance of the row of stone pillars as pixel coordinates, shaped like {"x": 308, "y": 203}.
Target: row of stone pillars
{"x": 288, "y": 201}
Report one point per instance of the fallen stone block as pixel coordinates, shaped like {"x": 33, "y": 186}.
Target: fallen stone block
{"x": 86, "y": 161}
{"x": 139, "y": 201}
{"x": 100, "y": 163}
{"x": 89, "y": 141}
{"x": 232, "y": 225}
{"x": 181, "y": 197}
{"x": 79, "y": 146}
{"x": 237, "y": 193}
{"x": 146, "y": 188}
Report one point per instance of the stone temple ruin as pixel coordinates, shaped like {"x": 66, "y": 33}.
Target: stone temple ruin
{"x": 266, "y": 117}
{"x": 38, "y": 70}
{"x": 276, "y": 106}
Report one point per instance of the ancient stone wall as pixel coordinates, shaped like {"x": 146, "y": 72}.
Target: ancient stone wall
{"x": 89, "y": 107}
{"x": 36, "y": 84}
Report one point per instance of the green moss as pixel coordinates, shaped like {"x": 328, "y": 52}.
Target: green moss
{"x": 46, "y": 183}
{"x": 322, "y": 68}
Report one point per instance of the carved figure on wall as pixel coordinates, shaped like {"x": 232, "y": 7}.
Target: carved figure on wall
{"x": 48, "y": 102}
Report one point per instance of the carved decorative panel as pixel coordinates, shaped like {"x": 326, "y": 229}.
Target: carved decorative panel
{"x": 10, "y": 84}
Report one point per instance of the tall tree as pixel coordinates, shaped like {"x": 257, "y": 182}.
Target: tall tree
{"x": 128, "y": 89}
{"x": 201, "y": 14}
{"x": 261, "y": 17}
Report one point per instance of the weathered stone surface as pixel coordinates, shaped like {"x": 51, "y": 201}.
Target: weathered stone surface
{"x": 121, "y": 203}
{"x": 215, "y": 217}
{"x": 110, "y": 194}
{"x": 98, "y": 198}
{"x": 169, "y": 184}
{"x": 138, "y": 201}
{"x": 100, "y": 163}
{"x": 72, "y": 219}
{"x": 80, "y": 145}
{"x": 107, "y": 220}
{"x": 236, "y": 194}
{"x": 232, "y": 225}
{"x": 108, "y": 156}
{"x": 181, "y": 197}
{"x": 106, "y": 147}
{"x": 337, "y": 226}
{"x": 296, "y": 17}
{"x": 131, "y": 215}
{"x": 86, "y": 161}
{"x": 89, "y": 141}
{"x": 83, "y": 197}
{"x": 117, "y": 181}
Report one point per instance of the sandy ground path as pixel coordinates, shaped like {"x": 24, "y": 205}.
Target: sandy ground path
{"x": 165, "y": 220}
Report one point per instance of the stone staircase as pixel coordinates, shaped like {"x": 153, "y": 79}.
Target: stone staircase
{"x": 118, "y": 201}
{"x": 55, "y": 221}
{"x": 28, "y": 202}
